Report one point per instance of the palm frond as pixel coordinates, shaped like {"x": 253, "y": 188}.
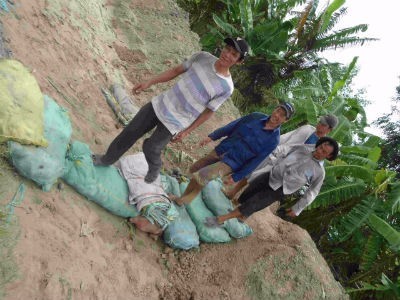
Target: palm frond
{"x": 336, "y": 18}
{"x": 391, "y": 235}
{"x": 387, "y": 286}
{"x": 331, "y": 194}
{"x": 340, "y": 83}
{"x": 353, "y": 159}
{"x": 311, "y": 111}
{"x": 225, "y": 27}
{"x": 372, "y": 140}
{"x": 371, "y": 251}
{"x": 327, "y": 16}
{"x": 246, "y": 16}
{"x": 375, "y": 154}
{"x": 303, "y": 20}
{"x": 356, "y": 149}
{"x": 356, "y": 218}
{"x": 394, "y": 197}
{"x": 355, "y": 112}
{"x": 334, "y": 42}
{"x": 280, "y": 9}
{"x": 342, "y": 132}
{"x": 353, "y": 171}
{"x": 337, "y": 105}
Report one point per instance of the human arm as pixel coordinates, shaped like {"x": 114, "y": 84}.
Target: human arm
{"x": 227, "y": 129}
{"x": 298, "y": 135}
{"x": 228, "y": 180}
{"x": 248, "y": 167}
{"x": 163, "y": 77}
{"x": 309, "y": 196}
{"x": 205, "y": 141}
{"x": 204, "y": 116}
{"x": 282, "y": 151}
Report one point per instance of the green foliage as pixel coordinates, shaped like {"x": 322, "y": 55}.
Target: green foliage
{"x": 388, "y": 288}
{"x": 355, "y": 218}
{"x": 354, "y": 171}
{"x": 282, "y": 40}
{"x": 341, "y": 83}
{"x": 390, "y": 124}
{"x": 371, "y": 251}
{"x": 394, "y": 198}
{"x": 353, "y": 159}
{"x": 326, "y": 18}
{"x": 350, "y": 222}
{"x": 337, "y": 191}
{"x": 391, "y": 235}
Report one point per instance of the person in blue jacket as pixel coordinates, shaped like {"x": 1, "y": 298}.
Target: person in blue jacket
{"x": 248, "y": 140}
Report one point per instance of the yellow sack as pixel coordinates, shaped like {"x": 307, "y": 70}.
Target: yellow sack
{"x": 21, "y": 105}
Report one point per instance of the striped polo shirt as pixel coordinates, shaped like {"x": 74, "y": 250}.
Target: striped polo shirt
{"x": 198, "y": 88}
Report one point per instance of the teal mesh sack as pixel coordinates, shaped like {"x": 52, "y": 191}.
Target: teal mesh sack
{"x": 103, "y": 185}
{"x": 217, "y": 202}
{"x": 170, "y": 185}
{"x": 45, "y": 165}
{"x": 181, "y": 232}
{"x": 198, "y": 212}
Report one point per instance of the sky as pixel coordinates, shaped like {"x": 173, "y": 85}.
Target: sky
{"x": 378, "y": 62}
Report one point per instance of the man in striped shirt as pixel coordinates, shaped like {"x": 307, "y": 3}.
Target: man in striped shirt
{"x": 205, "y": 84}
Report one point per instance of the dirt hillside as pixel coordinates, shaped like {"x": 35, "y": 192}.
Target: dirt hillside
{"x": 58, "y": 244}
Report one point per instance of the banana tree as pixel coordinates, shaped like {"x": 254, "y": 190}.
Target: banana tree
{"x": 359, "y": 211}
{"x": 281, "y": 43}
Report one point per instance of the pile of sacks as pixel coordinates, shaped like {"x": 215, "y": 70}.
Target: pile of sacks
{"x": 38, "y": 132}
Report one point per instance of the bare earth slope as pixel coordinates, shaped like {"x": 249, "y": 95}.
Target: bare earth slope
{"x": 68, "y": 247}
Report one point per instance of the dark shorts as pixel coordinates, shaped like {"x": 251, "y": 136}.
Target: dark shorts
{"x": 258, "y": 195}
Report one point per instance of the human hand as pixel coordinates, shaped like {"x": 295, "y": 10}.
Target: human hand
{"x": 228, "y": 180}
{"x": 205, "y": 141}
{"x": 290, "y": 213}
{"x": 228, "y": 193}
{"x": 140, "y": 87}
{"x": 179, "y": 136}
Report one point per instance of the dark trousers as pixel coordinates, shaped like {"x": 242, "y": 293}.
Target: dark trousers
{"x": 144, "y": 121}
{"x": 258, "y": 195}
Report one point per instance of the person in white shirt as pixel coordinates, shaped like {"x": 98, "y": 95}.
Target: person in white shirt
{"x": 306, "y": 134}
{"x": 294, "y": 166}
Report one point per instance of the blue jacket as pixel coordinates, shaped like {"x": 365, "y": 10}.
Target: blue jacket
{"x": 246, "y": 144}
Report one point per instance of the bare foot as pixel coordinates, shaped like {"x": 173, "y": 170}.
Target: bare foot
{"x": 235, "y": 201}
{"x": 241, "y": 219}
{"x": 144, "y": 225}
{"x": 229, "y": 194}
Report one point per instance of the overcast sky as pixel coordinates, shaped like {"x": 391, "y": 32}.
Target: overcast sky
{"x": 379, "y": 61}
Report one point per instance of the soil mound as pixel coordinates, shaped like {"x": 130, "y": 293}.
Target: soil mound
{"x": 68, "y": 247}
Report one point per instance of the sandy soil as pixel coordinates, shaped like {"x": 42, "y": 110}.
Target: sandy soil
{"x": 68, "y": 247}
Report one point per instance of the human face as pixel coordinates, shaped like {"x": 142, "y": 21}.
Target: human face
{"x": 278, "y": 117}
{"x": 229, "y": 56}
{"x": 323, "y": 151}
{"x": 322, "y": 130}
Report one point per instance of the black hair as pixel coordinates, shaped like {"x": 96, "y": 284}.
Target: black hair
{"x": 332, "y": 143}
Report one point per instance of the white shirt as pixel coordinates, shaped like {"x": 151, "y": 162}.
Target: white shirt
{"x": 294, "y": 167}
{"x": 297, "y": 136}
